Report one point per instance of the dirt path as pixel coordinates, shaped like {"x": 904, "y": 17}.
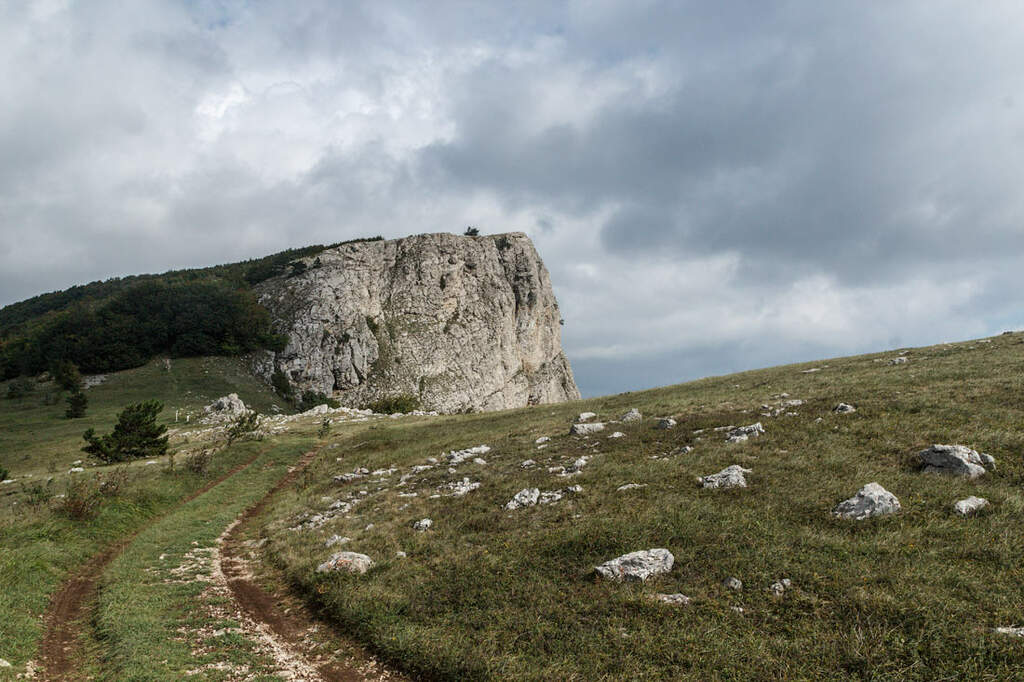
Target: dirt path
{"x": 63, "y": 618}
{"x": 300, "y": 643}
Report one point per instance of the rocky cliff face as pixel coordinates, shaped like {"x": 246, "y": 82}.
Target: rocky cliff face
{"x": 463, "y": 323}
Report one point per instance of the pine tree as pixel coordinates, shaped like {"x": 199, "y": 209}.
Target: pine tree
{"x": 77, "y": 402}
{"x": 136, "y": 435}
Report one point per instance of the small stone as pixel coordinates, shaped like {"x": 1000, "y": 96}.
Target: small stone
{"x": 739, "y": 434}
{"x": 4, "y": 664}
{"x": 400, "y": 554}
{"x": 479, "y": 460}
{"x": 898, "y": 361}
{"x": 527, "y": 463}
{"x": 637, "y": 566}
{"x": 844, "y": 408}
{"x": 779, "y": 588}
{"x": 353, "y": 562}
{"x": 733, "y": 583}
{"x": 1013, "y": 631}
{"x": 632, "y": 416}
{"x": 871, "y": 500}
{"x": 422, "y": 525}
{"x": 586, "y": 429}
{"x": 665, "y": 423}
{"x": 631, "y": 486}
{"x": 729, "y": 477}
{"x": 542, "y": 439}
{"x": 75, "y": 470}
{"x": 585, "y": 416}
{"x": 970, "y": 505}
{"x": 617, "y": 434}
{"x": 336, "y": 540}
{"x": 677, "y": 599}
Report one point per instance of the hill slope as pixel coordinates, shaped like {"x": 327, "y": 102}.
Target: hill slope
{"x": 492, "y": 593}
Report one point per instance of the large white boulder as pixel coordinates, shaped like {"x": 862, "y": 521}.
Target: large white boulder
{"x": 637, "y": 566}
{"x": 871, "y": 500}
{"x": 632, "y": 416}
{"x": 527, "y": 497}
{"x": 959, "y": 460}
{"x": 970, "y": 505}
{"x": 353, "y": 562}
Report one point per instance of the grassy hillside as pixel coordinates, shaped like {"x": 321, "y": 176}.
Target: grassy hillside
{"x": 491, "y": 594}
{"x": 39, "y": 544}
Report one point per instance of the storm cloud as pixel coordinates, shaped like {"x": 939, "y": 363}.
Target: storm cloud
{"x": 714, "y": 186}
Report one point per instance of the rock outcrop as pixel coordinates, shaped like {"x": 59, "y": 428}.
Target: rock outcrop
{"x": 461, "y": 323}
{"x": 871, "y": 500}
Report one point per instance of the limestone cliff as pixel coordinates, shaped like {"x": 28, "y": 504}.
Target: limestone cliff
{"x": 464, "y": 323}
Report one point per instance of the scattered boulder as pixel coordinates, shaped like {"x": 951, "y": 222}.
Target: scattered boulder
{"x": 225, "y": 408}
{"x": 542, "y": 439}
{"x": 729, "y": 477}
{"x": 779, "y": 587}
{"x": 460, "y": 488}
{"x": 631, "y": 486}
{"x": 844, "y": 408}
{"x": 1013, "y": 631}
{"x": 871, "y": 500}
{"x": 740, "y": 434}
{"x": 5, "y": 664}
{"x": 586, "y": 429}
{"x": 665, "y": 423}
{"x": 637, "y": 566}
{"x": 970, "y": 505}
{"x": 422, "y": 525}
{"x": 400, "y": 554}
{"x": 353, "y": 562}
{"x": 527, "y": 497}
{"x": 459, "y": 456}
{"x": 527, "y": 463}
{"x": 336, "y": 540}
{"x": 959, "y": 460}
{"x": 585, "y": 416}
{"x": 677, "y": 599}
{"x": 898, "y": 361}
{"x": 632, "y": 416}
{"x": 617, "y": 434}
{"x": 733, "y": 583}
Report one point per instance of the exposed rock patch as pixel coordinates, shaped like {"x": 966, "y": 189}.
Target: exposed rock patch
{"x": 729, "y": 477}
{"x": 958, "y": 460}
{"x": 970, "y": 505}
{"x": 637, "y": 566}
{"x": 871, "y": 500}
{"x": 353, "y": 562}
{"x": 632, "y": 416}
{"x": 586, "y": 429}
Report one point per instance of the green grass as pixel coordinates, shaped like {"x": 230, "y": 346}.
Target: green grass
{"x": 489, "y": 594}
{"x": 150, "y": 619}
{"x": 39, "y": 546}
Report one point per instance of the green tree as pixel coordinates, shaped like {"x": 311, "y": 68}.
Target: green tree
{"x": 244, "y": 424}
{"x": 77, "y": 402}
{"x": 67, "y": 376}
{"x": 136, "y": 435}
{"x": 472, "y": 232}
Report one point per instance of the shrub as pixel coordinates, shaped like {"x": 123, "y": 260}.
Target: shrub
{"x": 399, "y": 403}
{"x": 111, "y": 483}
{"x": 325, "y": 428}
{"x": 244, "y": 425}
{"x": 82, "y": 498}
{"x": 279, "y": 380}
{"x": 4, "y": 474}
{"x": 311, "y": 399}
{"x": 37, "y": 494}
{"x": 472, "y": 232}
{"x": 67, "y": 376}
{"x": 19, "y": 388}
{"x": 77, "y": 402}
{"x": 135, "y": 435}
{"x": 198, "y": 462}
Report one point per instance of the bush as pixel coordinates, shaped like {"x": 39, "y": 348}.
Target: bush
{"x": 4, "y": 474}
{"x": 244, "y": 425}
{"x": 398, "y": 403}
{"x": 198, "y": 462}
{"x": 77, "y": 402}
{"x": 279, "y": 380}
{"x": 472, "y": 232}
{"x": 19, "y": 388}
{"x": 67, "y": 376}
{"x": 325, "y": 428}
{"x": 311, "y": 399}
{"x": 136, "y": 435}
{"x": 82, "y": 498}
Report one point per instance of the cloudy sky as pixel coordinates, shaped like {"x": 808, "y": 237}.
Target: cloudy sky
{"x": 714, "y": 186}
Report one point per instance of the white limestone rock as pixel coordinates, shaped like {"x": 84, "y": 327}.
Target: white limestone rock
{"x": 1012, "y": 631}
{"x": 527, "y": 463}
{"x": 617, "y": 434}
{"x": 898, "y": 361}
{"x": 970, "y": 505}
{"x": 460, "y": 488}
{"x": 465, "y": 323}
{"x": 422, "y": 525}
{"x": 585, "y": 417}
{"x": 586, "y": 429}
{"x": 870, "y": 501}
{"x": 734, "y": 584}
{"x": 632, "y": 416}
{"x": 676, "y": 599}
{"x": 336, "y": 540}
{"x": 958, "y": 460}
{"x": 637, "y": 566}
{"x": 729, "y": 477}
{"x": 779, "y": 587}
{"x": 631, "y": 486}
{"x": 527, "y": 497}
{"x": 542, "y": 439}
{"x": 739, "y": 434}
{"x": 353, "y": 562}
{"x": 665, "y": 423}
{"x": 844, "y": 408}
